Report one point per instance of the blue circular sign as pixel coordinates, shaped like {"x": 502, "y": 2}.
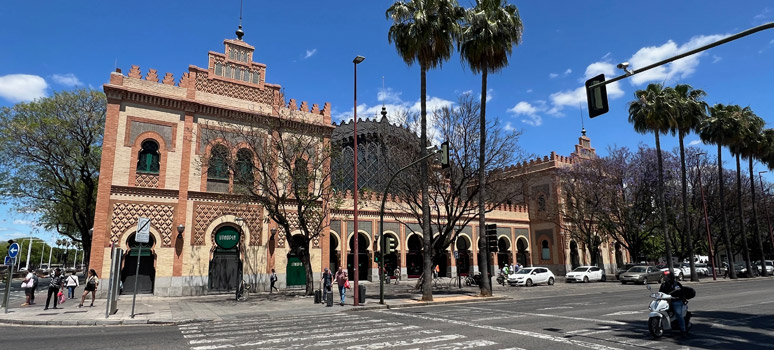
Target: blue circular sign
{"x": 13, "y": 250}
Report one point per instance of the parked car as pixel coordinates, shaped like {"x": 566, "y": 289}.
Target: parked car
{"x": 642, "y": 275}
{"x": 625, "y": 268}
{"x": 769, "y": 266}
{"x": 702, "y": 269}
{"x": 529, "y": 276}
{"x": 741, "y": 270}
{"x": 586, "y": 274}
{"x": 679, "y": 272}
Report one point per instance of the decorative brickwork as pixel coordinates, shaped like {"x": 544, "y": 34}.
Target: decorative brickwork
{"x": 146, "y": 180}
{"x": 205, "y": 213}
{"x": 169, "y": 79}
{"x": 125, "y": 215}
{"x": 152, "y": 76}
{"x": 241, "y": 91}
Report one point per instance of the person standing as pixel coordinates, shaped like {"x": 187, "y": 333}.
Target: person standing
{"x": 341, "y": 281}
{"x": 327, "y": 282}
{"x": 396, "y": 273}
{"x": 71, "y": 283}
{"x": 272, "y": 281}
{"x": 91, "y": 286}
{"x": 29, "y": 287}
{"x": 54, "y": 287}
{"x": 34, "y": 288}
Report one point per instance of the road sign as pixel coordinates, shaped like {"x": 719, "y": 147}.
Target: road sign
{"x": 143, "y": 230}
{"x": 9, "y": 261}
{"x": 227, "y": 238}
{"x": 597, "y": 97}
{"x": 13, "y": 250}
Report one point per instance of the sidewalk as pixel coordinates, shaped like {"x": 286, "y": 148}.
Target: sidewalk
{"x": 180, "y": 310}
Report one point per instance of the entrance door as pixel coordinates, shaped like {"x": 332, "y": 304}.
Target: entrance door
{"x": 146, "y": 276}
{"x": 296, "y": 275}
{"x": 225, "y": 268}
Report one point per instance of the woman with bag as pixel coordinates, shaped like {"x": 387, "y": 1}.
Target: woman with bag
{"x": 71, "y": 283}
{"x": 91, "y": 286}
{"x": 29, "y": 287}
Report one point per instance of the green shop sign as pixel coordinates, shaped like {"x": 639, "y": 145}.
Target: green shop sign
{"x": 227, "y": 238}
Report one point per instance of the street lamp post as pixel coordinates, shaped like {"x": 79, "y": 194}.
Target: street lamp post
{"x": 355, "y": 269}
{"x": 766, "y": 203}
{"x": 706, "y": 223}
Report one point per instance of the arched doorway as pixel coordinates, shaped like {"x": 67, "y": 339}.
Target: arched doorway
{"x": 225, "y": 266}
{"x": 392, "y": 260}
{"x": 463, "y": 251}
{"x": 295, "y": 274}
{"x": 414, "y": 257}
{"x": 522, "y": 256}
{"x": 335, "y": 254}
{"x": 597, "y": 259}
{"x": 618, "y": 256}
{"x": 574, "y": 255}
{"x": 443, "y": 264}
{"x": 146, "y": 275}
{"x": 363, "y": 262}
{"x": 503, "y": 252}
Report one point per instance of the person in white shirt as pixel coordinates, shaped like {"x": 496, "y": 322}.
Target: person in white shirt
{"x": 71, "y": 283}
{"x": 29, "y": 287}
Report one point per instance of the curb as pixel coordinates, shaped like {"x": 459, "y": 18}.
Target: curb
{"x": 422, "y": 304}
{"x": 106, "y": 322}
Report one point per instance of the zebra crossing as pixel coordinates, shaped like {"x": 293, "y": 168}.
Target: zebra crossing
{"x": 340, "y": 331}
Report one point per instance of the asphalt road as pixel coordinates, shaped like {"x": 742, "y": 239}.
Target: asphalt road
{"x": 601, "y": 316}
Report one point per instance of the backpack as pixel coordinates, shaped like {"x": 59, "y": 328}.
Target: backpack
{"x": 688, "y": 293}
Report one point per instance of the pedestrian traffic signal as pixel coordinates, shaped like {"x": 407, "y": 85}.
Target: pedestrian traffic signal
{"x": 445, "y": 155}
{"x": 377, "y": 256}
{"x": 491, "y": 238}
{"x": 597, "y": 97}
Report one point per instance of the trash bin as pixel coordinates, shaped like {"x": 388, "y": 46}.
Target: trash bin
{"x": 362, "y": 293}
{"x": 317, "y": 296}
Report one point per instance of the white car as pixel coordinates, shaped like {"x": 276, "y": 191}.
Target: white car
{"x": 679, "y": 272}
{"x": 702, "y": 269}
{"x": 586, "y": 274}
{"x": 769, "y": 266}
{"x": 530, "y": 276}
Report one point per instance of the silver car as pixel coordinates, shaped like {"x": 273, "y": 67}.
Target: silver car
{"x": 642, "y": 275}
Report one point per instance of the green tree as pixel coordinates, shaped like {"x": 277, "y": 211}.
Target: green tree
{"x": 50, "y": 153}
{"x": 653, "y": 111}
{"x": 490, "y": 31}
{"x": 721, "y": 129}
{"x": 756, "y": 148}
{"x": 690, "y": 111}
{"x": 423, "y": 32}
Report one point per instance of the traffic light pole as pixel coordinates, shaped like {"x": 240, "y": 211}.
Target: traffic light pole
{"x": 381, "y": 221}
{"x": 745, "y": 33}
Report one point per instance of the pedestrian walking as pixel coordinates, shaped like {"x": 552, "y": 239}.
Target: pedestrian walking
{"x": 54, "y": 287}
{"x": 327, "y": 283}
{"x": 342, "y": 282}
{"x": 91, "y": 286}
{"x": 71, "y": 283}
{"x": 272, "y": 281}
{"x": 396, "y": 273}
{"x": 34, "y": 288}
{"x": 28, "y": 286}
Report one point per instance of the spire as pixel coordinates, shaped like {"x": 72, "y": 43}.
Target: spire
{"x": 240, "y": 33}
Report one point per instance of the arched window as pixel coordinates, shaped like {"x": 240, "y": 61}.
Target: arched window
{"x": 244, "y": 167}
{"x": 218, "y": 68}
{"x": 256, "y": 77}
{"x": 242, "y": 56}
{"x": 217, "y": 167}
{"x": 148, "y": 159}
{"x": 545, "y": 251}
{"x": 242, "y": 74}
{"x": 301, "y": 176}
{"x": 228, "y": 71}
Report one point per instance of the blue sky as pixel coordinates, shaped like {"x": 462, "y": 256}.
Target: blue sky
{"x": 308, "y": 47}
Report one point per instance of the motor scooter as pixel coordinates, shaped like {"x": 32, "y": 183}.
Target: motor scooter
{"x": 501, "y": 279}
{"x": 662, "y": 317}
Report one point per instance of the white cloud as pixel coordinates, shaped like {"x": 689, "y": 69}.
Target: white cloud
{"x": 23, "y": 222}
{"x": 576, "y": 97}
{"x": 694, "y": 143}
{"x": 529, "y": 113}
{"x": 489, "y": 95}
{"x": 679, "y": 69}
{"x": 553, "y": 75}
{"x": 716, "y": 58}
{"x": 568, "y": 71}
{"x": 310, "y": 53}
{"x": 68, "y": 79}
{"x": 508, "y": 127}
{"x": 529, "y": 91}
{"x": 388, "y": 95}
{"x": 22, "y": 87}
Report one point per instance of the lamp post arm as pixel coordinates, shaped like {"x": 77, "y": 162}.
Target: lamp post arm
{"x": 747, "y": 32}
{"x": 381, "y": 221}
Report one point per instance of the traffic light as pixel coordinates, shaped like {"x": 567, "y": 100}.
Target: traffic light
{"x": 390, "y": 245}
{"x": 597, "y": 97}
{"x": 445, "y": 155}
{"x": 377, "y": 256}
{"x": 491, "y": 238}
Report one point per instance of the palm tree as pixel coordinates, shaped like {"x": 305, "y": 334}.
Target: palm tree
{"x": 488, "y": 35}
{"x": 719, "y": 129}
{"x": 756, "y": 148}
{"x": 653, "y": 111}
{"x": 424, "y": 32}
{"x": 690, "y": 112}
{"x": 739, "y": 146}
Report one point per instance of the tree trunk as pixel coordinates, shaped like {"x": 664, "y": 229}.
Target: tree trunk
{"x": 486, "y": 287}
{"x": 721, "y": 190}
{"x": 307, "y": 261}
{"x": 427, "y": 234}
{"x": 756, "y": 228}
{"x": 746, "y": 251}
{"x": 662, "y": 204}
{"x": 687, "y": 235}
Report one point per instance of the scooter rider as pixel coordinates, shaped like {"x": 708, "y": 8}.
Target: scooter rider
{"x": 669, "y": 286}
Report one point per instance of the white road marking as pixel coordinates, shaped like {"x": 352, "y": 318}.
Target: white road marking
{"x": 554, "y": 316}
{"x": 556, "y": 308}
{"x": 619, "y": 313}
{"x": 470, "y": 344}
{"x": 404, "y": 343}
{"x": 497, "y": 318}
{"x": 272, "y": 328}
{"x": 509, "y": 330}
{"x": 340, "y": 342}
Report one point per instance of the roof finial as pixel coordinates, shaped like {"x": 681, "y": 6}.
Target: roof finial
{"x": 384, "y": 109}
{"x": 583, "y": 129}
{"x": 240, "y": 33}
